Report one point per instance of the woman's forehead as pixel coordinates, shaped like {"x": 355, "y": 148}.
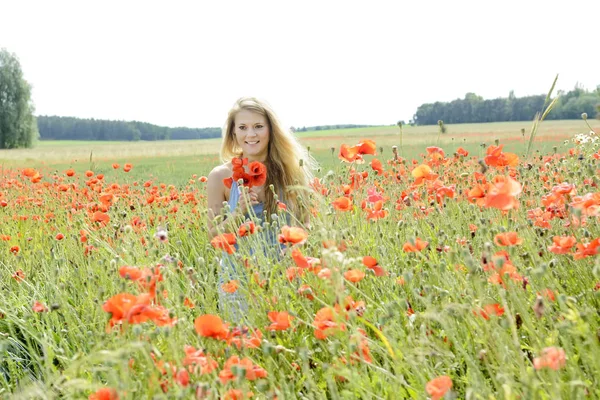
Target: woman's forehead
{"x": 249, "y": 117}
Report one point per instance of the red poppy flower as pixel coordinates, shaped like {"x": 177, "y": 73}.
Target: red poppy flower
{"x": 39, "y": 307}
{"x": 292, "y": 235}
{"x": 257, "y": 173}
{"x": 305, "y": 262}
{"x": 188, "y": 303}
{"x": 562, "y": 244}
{"x": 101, "y": 218}
{"x": 438, "y": 387}
{"x": 228, "y": 182}
{"x": 462, "y": 152}
{"x": 225, "y": 241}
{"x": 29, "y": 172}
{"x": 197, "y": 361}
{"x": 502, "y": 194}
{"x": 280, "y": 321}
{"x": 377, "y": 212}
{"x": 490, "y": 309}
{"x": 367, "y": 146}
{"x": 247, "y": 228}
{"x": 231, "y": 286}
{"x": 252, "y": 372}
{"x": 104, "y": 394}
{"x": 377, "y": 166}
{"x": 372, "y": 264}
{"x": 132, "y": 273}
{"x": 354, "y": 275}
{"x": 423, "y": 173}
{"x": 416, "y": 247}
{"x": 119, "y": 305}
{"x": 496, "y": 158}
{"x": 350, "y": 154}
{"x": 552, "y": 357}
{"x": 326, "y": 323}
{"x": 18, "y": 275}
{"x": 507, "y": 239}
{"x": 212, "y": 326}
{"x": 342, "y": 204}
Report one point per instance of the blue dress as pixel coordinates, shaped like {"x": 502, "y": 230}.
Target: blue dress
{"x": 234, "y": 306}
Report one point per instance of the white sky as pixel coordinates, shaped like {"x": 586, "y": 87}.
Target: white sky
{"x": 184, "y": 63}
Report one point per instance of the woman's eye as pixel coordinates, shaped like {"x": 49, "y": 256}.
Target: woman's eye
{"x": 259, "y": 126}
{"x": 241, "y": 128}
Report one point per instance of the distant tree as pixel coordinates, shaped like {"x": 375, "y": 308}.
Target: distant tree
{"x": 474, "y": 108}
{"x": 18, "y": 127}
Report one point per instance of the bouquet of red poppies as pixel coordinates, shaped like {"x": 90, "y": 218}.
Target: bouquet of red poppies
{"x": 256, "y": 175}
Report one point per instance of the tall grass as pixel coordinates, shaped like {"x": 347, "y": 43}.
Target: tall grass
{"x": 424, "y": 318}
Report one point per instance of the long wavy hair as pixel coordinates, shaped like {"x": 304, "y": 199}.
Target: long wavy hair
{"x": 289, "y": 165}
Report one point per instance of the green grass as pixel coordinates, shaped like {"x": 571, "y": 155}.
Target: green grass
{"x": 420, "y": 321}
{"x": 177, "y": 161}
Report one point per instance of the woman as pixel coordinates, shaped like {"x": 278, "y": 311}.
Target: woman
{"x": 253, "y": 131}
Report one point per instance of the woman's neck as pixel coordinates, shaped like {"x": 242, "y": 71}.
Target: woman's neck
{"x": 259, "y": 158}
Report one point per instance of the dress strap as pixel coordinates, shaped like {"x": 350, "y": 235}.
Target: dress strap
{"x": 234, "y": 196}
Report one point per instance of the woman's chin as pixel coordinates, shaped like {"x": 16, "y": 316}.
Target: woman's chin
{"x": 254, "y": 152}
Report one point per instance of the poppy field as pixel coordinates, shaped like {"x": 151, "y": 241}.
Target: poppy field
{"x": 449, "y": 272}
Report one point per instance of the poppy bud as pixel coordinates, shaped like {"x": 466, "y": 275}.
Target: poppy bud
{"x": 538, "y": 307}
{"x": 267, "y": 348}
{"x": 482, "y": 355}
{"x": 518, "y": 320}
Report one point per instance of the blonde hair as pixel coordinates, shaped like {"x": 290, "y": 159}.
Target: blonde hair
{"x": 289, "y": 165}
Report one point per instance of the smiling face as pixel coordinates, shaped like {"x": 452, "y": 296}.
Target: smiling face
{"x": 251, "y": 131}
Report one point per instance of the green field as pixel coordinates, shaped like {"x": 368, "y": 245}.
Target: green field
{"x": 440, "y": 277}
{"x": 176, "y": 161}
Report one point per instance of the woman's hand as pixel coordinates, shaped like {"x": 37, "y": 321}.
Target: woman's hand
{"x": 248, "y": 198}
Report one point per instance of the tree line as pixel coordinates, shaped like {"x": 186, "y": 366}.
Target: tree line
{"x": 474, "y": 108}
{"x": 20, "y": 128}
{"x": 71, "y": 128}
{"x": 327, "y": 127}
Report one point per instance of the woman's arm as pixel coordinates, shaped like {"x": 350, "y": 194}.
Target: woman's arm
{"x": 215, "y": 193}
{"x": 215, "y": 188}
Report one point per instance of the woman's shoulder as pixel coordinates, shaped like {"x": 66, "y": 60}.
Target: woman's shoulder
{"x": 221, "y": 171}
